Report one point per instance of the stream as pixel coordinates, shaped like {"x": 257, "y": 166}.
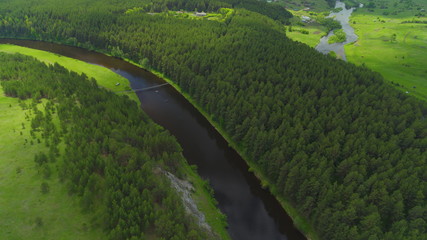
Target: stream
{"x": 252, "y": 212}
{"x": 343, "y": 17}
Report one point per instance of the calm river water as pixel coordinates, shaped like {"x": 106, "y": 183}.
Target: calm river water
{"x": 343, "y": 17}
{"x": 252, "y": 212}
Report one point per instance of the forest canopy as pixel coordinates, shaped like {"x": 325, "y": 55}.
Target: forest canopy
{"x": 114, "y": 154}
{"x": 347, "y": 150}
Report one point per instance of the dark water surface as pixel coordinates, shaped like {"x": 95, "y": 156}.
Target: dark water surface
{"x": 252, "y": 212}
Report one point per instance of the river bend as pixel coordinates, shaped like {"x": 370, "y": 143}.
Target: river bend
{"x": 252, "y": 212}
{"x": 343, "y": 17}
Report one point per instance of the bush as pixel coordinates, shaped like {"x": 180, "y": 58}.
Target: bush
{"x": 44, "y": 188}
{"x": 39, "y": 222}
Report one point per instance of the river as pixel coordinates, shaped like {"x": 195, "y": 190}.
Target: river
{"x": 252, "y": 212}
{"x": 343, "y": 17}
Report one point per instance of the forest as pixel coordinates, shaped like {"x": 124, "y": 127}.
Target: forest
{"x": 114, "y": 154}
{"x": 347, "y": 150}
{"x": 275, "y": 12}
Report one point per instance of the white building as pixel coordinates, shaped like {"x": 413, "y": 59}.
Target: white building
{"x": 305, "y": 19}
{"x": 200, "y": 14}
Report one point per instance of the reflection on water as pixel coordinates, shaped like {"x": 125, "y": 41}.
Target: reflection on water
{"x": 252, "y": 212}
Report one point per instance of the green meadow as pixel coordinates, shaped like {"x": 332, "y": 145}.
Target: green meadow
{"x": 315, "y": 33}
{"x": 27, "y": 212}
{"x": 103, "y": 76}
{"x": 309, "y": 33}
{"x": 395, "y": 49}
{"x": 390, "y": 41}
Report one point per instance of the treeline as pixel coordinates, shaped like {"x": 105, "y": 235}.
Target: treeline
{"x": 331, "y": 3}
{"x": 329, "y": 23}
{"x": 112, "y": 151}
{"x": 414, "y": 21}
{"x": 344, "y": 148}
{"x": 190, "y": 5}
{"x": 273, "y": 11}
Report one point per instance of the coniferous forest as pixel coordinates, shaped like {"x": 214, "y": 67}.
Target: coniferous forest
{"x": 346, "y": 149}
{"x": 111, "y": 149}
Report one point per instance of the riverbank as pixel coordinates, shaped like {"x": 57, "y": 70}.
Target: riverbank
{"x": 103, "y": 76}
{"x": 309, "y": 32}
{"x": 328, "y": 44}
{"x": 206, "y": 203}
{"x": 202, "y": 192}
{"x": 273, "y": 203}
{"x": 300, "y": 222}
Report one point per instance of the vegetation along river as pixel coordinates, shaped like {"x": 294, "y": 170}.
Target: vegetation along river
{"x": 342, "y": 17}
{"x": 252, "y": 212}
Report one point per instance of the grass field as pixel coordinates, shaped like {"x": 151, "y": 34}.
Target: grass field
{"x": 103, "y": 76}
{"x": 396, "y": 50}
{"x": 315, "y": 33}
{"x": 25, "y": 212}
{"x": 315, "y": 30}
